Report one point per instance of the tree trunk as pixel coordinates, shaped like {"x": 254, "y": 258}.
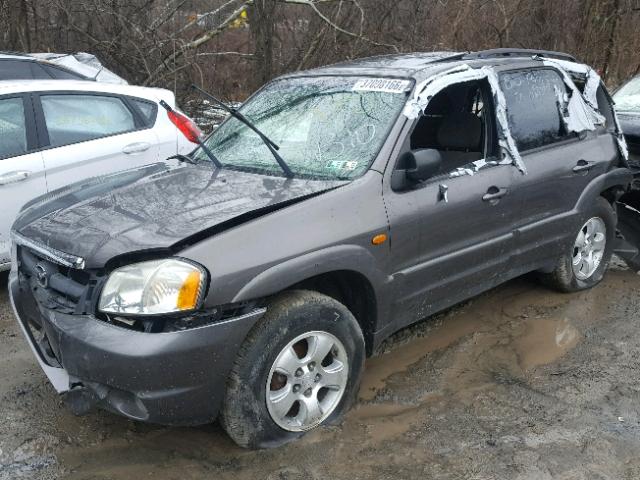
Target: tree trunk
{"x": 262, "y": 24}
{"x": 612, "y": 39}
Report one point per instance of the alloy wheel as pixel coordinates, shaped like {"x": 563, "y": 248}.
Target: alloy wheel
{"x": 589, "y": 247}
{"x": 307, "y": 381}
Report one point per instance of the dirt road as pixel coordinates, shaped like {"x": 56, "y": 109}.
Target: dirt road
{"x": 520, "y": 383}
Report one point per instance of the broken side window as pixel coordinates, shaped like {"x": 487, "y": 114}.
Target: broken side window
{"x": 536, "y": 102}
{"x": 459, "y": 123}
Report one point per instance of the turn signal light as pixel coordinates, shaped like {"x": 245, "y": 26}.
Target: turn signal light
{"x": 379, "y": 239}
{"x": 189, "y": 291}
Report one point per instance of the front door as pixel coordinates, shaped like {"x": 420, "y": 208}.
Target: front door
{"x": 450, "y": 235}
{"x": 21, "y": 169}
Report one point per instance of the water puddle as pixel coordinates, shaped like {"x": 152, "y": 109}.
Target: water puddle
{"x": 379, "y": 369}
{"x": 515, "y": 331}
{"x": 545, "y": 340}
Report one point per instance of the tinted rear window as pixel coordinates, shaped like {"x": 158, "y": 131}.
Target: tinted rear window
{"x": 532, "y": 107}
{"x": 21, "y": 70}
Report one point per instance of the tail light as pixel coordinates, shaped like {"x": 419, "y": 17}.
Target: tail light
{"x": 187, "y": 126}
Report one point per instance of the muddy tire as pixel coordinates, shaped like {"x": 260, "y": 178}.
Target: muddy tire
{"x": 587, "y": 258}
{"x": 299, "y": 368}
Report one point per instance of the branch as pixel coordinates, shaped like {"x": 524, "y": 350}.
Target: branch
{"x": 197, "y": 42}
{"x": 312, "y": 5}
{"x": 215, "y": 54}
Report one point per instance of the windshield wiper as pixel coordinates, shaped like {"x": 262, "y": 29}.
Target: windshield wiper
{"x": 272, "y": 146}
{"x": 182, "y": 158}
{"x": 209, "y": 153}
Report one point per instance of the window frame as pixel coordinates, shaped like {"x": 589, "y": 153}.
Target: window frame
{"x": 29, "y": 124}
{"x": 41, "y": 126}
{"x": 571, "y": 137}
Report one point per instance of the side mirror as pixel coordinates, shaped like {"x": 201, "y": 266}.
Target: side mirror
{"x": 422, "y": 164}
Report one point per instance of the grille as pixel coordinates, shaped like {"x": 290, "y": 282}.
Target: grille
{"x": 55, "y": 286}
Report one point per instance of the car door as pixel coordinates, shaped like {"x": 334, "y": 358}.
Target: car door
{"x": 449, "y": 235}
{"x": 91, "y": 134}
{"x": 559, "y": 164}
{"x": 21, "y": 168}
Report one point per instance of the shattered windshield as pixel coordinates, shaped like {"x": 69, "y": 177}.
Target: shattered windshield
{"x": 326, "y": 127}
{"x": 628, "y": 97}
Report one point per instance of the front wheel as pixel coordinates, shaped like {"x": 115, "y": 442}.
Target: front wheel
{"x": 585, "y": 262}
{"x": 299, "y": 368}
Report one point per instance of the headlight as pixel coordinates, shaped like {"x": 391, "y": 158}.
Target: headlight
{"x": 158, "y": 286}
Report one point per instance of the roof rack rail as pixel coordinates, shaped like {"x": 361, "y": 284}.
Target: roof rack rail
{"x": 518, "y": 52}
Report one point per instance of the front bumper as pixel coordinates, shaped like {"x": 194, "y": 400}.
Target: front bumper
{"x": 175, "y": 378}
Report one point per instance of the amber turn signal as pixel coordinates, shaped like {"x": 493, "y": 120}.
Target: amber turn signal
{"x": 188, "y": 295}
{"x": 379, "y": 239}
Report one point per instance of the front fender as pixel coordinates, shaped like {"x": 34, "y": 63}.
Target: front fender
{"x": 339, "y": 257}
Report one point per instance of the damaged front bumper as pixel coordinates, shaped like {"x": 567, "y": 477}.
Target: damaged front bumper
{"x": 175, "y": 378}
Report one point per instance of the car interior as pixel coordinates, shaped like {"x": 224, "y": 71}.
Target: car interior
{"x": 456, "y": 124}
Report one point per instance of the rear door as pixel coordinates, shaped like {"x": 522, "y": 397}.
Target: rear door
{"x": 559, "y": 164}
{"x": 21, "y": 168}
{"x": 90, "y": 134}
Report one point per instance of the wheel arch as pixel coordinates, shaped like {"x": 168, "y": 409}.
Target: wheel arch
{"x": 610, "y": 186}
{"x": 346, "y": 273}
{"x": 354, "y": 291}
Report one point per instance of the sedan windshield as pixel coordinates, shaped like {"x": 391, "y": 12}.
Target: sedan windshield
{"x": 628, "y": 97}
{"x": 326, "y": 127}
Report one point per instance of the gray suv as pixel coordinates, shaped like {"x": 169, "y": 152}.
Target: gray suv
{"x": 336, "y": 207}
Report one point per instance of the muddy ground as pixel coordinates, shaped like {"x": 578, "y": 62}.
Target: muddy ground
{"x": 519, "y": 383}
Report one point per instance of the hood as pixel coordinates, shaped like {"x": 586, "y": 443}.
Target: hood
{"x": 154, "y": 207}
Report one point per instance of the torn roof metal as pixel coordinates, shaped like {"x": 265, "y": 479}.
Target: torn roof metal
{"x": 579, "y": 110}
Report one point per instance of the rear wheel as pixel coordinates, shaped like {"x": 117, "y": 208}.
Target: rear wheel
{"x": 299, "y": 368}
{"x": 586, "y": 260}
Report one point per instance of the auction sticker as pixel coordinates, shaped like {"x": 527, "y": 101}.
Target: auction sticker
{"x": 387, "y": 85}
{"x": 342, "y": 165}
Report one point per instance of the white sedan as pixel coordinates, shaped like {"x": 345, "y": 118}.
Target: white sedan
{"x": 53, "y": 133}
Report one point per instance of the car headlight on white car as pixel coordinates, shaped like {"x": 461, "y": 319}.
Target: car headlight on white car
{"x": 154, "y": 287}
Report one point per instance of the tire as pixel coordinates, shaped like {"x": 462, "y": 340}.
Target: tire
{"x": 308, "y": 319}
{"x": 564, "y": 277}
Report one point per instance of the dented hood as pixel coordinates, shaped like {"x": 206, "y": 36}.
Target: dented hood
{"x": 154, "y": 207}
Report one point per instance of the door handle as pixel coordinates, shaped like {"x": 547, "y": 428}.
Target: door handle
{"x": 137, "y": 147}
{"x": 13, "y": 177}
{"x": 494, "y": 194}
{"x": 583, "y": 166}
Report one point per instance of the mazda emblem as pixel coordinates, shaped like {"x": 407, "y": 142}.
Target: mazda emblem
{"x": 41, "y": 275}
